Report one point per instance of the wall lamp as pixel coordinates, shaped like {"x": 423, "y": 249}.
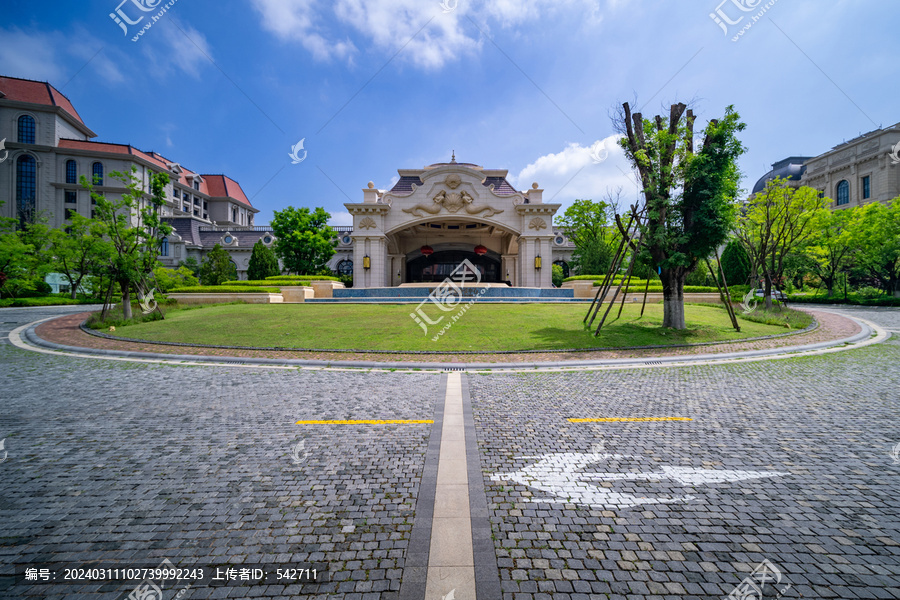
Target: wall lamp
{"x": 367, "y": 262}
{"x": 537, "y": 262}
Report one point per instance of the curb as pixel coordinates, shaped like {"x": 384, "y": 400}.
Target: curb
{"x": 868, "y": 330}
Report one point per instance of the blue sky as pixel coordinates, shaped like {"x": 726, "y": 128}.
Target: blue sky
{"x": 525, "y": 85}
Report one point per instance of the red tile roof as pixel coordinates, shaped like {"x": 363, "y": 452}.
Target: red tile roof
{"x": 36, "y": 92}
{"x": 221, "y": 186}
{"x": 215, "y": 186}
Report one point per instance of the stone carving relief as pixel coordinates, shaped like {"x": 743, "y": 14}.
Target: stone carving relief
{"x": 453, "y": 202}
{"x": 367, "y": 223}
{"x": 537, "y": 224}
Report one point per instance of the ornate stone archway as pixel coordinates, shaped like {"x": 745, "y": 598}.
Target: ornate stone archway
{"x": 459, "y": 206}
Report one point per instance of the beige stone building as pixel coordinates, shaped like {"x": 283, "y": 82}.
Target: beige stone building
{"x": 865, "y": 169}
{"x": 434, "y": 217}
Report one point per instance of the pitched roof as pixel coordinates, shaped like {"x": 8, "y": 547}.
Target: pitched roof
{"x": 36, "y": 92}
{"x": 214, "y": 186}
{"x": 222, "y": 186}
{"x": 501, "y": 186}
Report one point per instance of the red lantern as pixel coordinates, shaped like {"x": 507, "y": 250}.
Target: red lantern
{"x": 427, "y": 250}
{"x": 480, "y": 250}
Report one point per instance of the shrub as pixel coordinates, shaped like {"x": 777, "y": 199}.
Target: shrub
{"x": 225, "y": 289}
{"x": 306, "y": 277}
{"x": 869, "y": 292}
{"x": 786, "y": 317}
{"x": 168, "y": 279}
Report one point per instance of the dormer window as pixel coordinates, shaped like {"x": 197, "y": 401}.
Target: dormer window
{"x": 197, "y": 184}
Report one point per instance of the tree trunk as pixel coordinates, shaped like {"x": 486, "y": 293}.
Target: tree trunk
{"x": 768, "y": 292}
{"x": 673, "y": 298}
{"x": 126, "y": 299}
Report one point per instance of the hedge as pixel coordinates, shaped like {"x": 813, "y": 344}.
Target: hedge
{"x": 602, "y": 277}
{"x": 851, "y": 299}
{"x": 305, "y": 277}
{"x": 43, "y": 301}
{"x": 657, "y": 289}
{"x": 265, "y": 282}
{"x": 225, "y": 289}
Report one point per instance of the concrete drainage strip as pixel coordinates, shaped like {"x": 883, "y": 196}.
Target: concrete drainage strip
{"x": 870, "y": 334}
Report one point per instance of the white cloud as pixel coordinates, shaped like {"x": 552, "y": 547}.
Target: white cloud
{"x": 574, "y": 173}
{"x": 300, "y": 20}
{"x": 54, "y": 56}
{"x": 340, "y": 218}
{"x": 428, "y": 36}
{"x": 175, "y": 47}
{"x": 30, "y": 55}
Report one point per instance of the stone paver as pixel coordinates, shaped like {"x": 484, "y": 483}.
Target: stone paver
{"x": 831, "y": 526}
{"x": 135, "y": 462}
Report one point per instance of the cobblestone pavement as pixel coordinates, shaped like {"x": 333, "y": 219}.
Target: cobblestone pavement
{"x": 136, "y": 463}
{"x": 830, "y": 524}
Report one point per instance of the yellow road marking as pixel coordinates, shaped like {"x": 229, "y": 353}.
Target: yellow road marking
{"x": 367, "y": 422}
{"x": 628, "y": 419}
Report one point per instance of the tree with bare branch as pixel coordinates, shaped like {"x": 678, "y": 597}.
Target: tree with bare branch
{"x": 689, "y": 195}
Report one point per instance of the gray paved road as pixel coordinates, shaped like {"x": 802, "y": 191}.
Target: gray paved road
{"x": 830, "y": 524}
{"x": 136, "y": 463}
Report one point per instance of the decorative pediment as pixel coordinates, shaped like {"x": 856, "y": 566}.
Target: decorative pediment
{"x": 453, "y": 202}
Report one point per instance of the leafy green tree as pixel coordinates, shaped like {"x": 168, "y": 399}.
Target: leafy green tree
{"x": 192, "y": 265}
{"x": 776, "y": 222}
{"x": 589, "y": 225}
{"x": 735, "y": 264}
{"x": 14, "y": 255}
{"x": 263, "y": 262}
{"x": 305, "y": 242}
{"x": 79, "y": 250}
{"x": 168, "y": 279}
{"x": 689, "y": 194}
{"x": 558, "y": 275}
{"x": 831, "y": 247}
{"x": 134, "y": 228}
{"x": 875, "y": 237}
{"x": 217, "y": 268}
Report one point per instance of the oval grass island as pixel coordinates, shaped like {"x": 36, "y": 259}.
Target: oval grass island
{"x": 483, "y": 328}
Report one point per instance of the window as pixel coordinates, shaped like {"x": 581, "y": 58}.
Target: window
{"x": 267, "y": 240}
{"x": 197, "y": 184}
{"x": 69, "y": 213}
{"x": 867, "y": 190}
{"x": 843, "y": 193}
{"x": 93, "y": 214}
{"x": 234, "y": 215}
{"x": 560, "y": 240}
{"x": 186, "y": 208}
{"x": 228, "y": 239}
{"x": 345, "y": 267}
{"x": 346, "y": 240}
{"x": 176, "y": 192}
{"x": 26, "y": 186}
{"x": 196, "y": 201}
{"x": 164, "y": 247}
{"x": 71, "y": 171}
{"x": 26, "y": 129}
{"x": 205, "y": 207}
{"x": 98, "y": 173}
{"x": 71, "y": 196}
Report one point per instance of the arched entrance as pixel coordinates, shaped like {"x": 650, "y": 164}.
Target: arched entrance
{"x": 440, "y": 265}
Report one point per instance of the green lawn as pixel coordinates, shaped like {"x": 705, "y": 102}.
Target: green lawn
{"x": 484, "y": 327}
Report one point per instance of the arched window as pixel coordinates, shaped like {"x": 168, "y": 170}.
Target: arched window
{"x": 26, "y": 187}
{"x": 843, "y": 193}
{"x": 345, "y": 267}
{"x": 97, "y": 173}
{"x": 71, "y": 171}
{"x": 26, "y": 129}
{"x": 164, "y": 247}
